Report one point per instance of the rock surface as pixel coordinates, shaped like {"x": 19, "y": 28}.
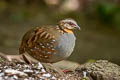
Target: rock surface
{"x": 99, "y": 70}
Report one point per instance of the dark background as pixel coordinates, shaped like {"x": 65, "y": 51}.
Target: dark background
{"x": 98, "y": 19}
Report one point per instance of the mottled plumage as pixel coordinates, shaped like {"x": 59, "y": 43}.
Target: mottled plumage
{"x": 50, "y": 43}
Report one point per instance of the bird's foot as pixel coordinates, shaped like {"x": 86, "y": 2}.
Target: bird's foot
{"x": 51, "y": 68}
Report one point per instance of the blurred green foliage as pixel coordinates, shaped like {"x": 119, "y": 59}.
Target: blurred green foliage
{"x": 109, "y": 13}
{"x": 99, "y": 20}
{"x": 24, "y": 10}
{"x": 3, "y": 6}
{"x": 91, "y": 60}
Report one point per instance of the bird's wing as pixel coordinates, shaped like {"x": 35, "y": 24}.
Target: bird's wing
{"x": 39, "y": 41}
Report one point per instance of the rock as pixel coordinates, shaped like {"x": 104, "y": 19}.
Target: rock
{"x": 101, "y": 70}
{"x": 65, "y": 64}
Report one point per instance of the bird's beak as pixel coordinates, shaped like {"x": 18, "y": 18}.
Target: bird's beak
{"x": 77, "y": 27}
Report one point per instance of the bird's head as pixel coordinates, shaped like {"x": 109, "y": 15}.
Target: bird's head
{"x": 68, "y": 25}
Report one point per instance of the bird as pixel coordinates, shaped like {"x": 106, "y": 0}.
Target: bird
{"x": 49, "y": 43}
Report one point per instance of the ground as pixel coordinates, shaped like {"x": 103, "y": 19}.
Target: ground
{"x": 98, "y": 70}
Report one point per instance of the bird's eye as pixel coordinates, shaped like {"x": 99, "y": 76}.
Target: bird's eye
{"x": 71, "y": 24}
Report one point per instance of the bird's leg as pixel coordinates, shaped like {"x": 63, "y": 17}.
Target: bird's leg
{"x": 26, "y": 59}
{"x": 50, "y": 67}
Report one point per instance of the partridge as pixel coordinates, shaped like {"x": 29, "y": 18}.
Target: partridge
{"x": 50, "y": 43}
